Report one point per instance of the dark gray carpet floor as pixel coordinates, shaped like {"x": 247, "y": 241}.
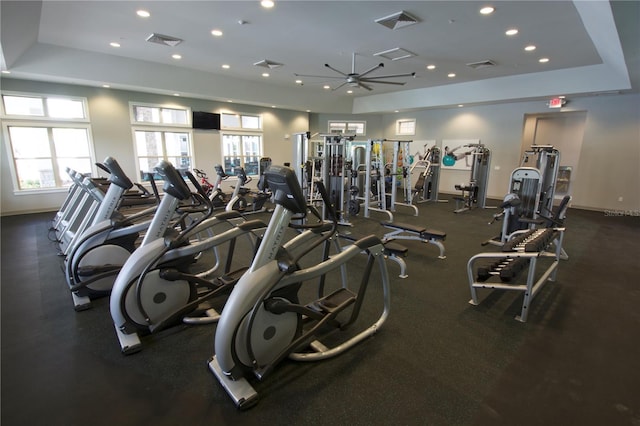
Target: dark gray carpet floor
{"x": 437, "y": 360}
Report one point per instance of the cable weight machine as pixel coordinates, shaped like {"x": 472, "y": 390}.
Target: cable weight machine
{"x": 384, "y": 173}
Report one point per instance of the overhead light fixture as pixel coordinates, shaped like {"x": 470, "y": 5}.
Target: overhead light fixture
{"x": 176, "y": 56}
{"x": 543, "y": 60}
{"x": 216, "y": 32}
{"x": 431, "y": 67}
{"x": 106, "y": 86}
{"x": 487, "y": 10}
{"x": 397, "y": 20}
{"x": 451, "y": 75}
{"x": 267, "y": 4}
{"x": 511, "y": 31}
{"x": 299, "y": 82}
{"x": 226, "y": 66}
{"x": 114, "y": 44}
{"x": 265, "y": 74}
{"x": 530, "y": 48}
{"x": 143, "y": 13}
{"x": 164, "y": 39}
{"x": 326, "y": 86}
{"x": 266, "y": 63}
{"x": 6, "y": 72}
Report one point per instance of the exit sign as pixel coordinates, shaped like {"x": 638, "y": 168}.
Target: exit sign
{"x": 556, "y": 103}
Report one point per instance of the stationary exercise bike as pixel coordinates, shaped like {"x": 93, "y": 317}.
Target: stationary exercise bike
{"x": 266, "y": 320}
{"x": 161, "y": 285}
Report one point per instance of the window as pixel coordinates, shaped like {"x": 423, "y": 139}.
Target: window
{"x": 46, "y": 135}
{"x": 157, "y": 137}
{"x": 241, "y": 150}
{"x": 160, "y": 115}
{"x": 240, "y": 121}
{"x": 348, "y": 127}
{"x": 241, "y": 142}
{"x": 406, "y": 126}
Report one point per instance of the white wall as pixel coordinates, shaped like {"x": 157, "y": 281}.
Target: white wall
{"x": 112, "y": 135}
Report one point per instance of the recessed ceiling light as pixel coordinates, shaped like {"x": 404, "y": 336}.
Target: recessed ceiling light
{"x": 6, "y": 72}
{"x": 229, "y": 100}
{"x": 326, "y": 86}
{"x": 349, "y": 91}
{"x": 176, "y": 94}
{"x": 226, "y": 66}
{"x": 431, "y": 67}
{"x": 397, "y": 110}
{"x": 511, "y": 31}
{"x": 273, "y": 106}
{"x": 308, "y": 110}
{"x": 451, "y": 75}
{"x": 216, "y": 33}
{"x": 265, "y": 74}
{"x": 267, "y": 4}
{"x": 543, "y": 60}
{"x": 487, "y": 10}
{"x": 530, "y": 48}
{"x": 143, "y": 13}
{"x": 114, "y": 44}
{"x": 176, "y": 56}
{"x": 460, "y": 105}
{"x": 298, "y": 81}
{"x": 106, "y": 86}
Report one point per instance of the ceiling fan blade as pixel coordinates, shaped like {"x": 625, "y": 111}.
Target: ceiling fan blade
{"x": 412, "y": 74}
{"x": 333, "y": 69}
{"x": 316, "y": 76}
{"x": 368, "y": 80}
{"x": 364, "y": 86}
{"x": 380, "y": 65}
{"x": 336, "y": 88}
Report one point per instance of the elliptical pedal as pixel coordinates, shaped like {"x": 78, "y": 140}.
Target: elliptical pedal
{"x": 336, "y": 301}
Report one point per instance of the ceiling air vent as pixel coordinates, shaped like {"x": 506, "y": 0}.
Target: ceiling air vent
{"x": 482, "y": 64}
{"x": 395, "y": 54}
{"x": 164, "y": 39}
{"x": 397, "y": 20}
{"x": 266, "y": 63}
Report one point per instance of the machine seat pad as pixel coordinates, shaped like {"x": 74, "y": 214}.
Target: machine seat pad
{"x": 433, "y": 234}
{"x": 404, "y": 227}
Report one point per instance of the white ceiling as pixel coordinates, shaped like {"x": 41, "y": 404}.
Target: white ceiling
{"x": 585, "y": 41}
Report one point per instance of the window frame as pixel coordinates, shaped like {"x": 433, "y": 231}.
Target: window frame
{"x": 45, "y": 117}
{"x": 163, "y": 128}
{"x": 134, "y": 122}
{"x": 49, "y": 123}
{"x": 242, "y": 155}
{"x": 346, "y": 126}
{"x": 241, "y": 128}
{"x": 399, "y": 123}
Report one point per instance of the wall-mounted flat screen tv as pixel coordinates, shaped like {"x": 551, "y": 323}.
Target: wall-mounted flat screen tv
{"x": 205, "y": 120}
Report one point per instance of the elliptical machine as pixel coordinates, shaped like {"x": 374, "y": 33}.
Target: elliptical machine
{"x": 240, "y": 194}
{"x": 265, "y": 319}
{"x": 100, "y": 251}
{"x": 158, "y": 286}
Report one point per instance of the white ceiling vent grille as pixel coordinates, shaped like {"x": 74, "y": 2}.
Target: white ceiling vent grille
{"x": 397, "y": 20}
{"x": 395, "y": 54}
{"x": 164, "y": 39}
{"x": 482, "y": 64}
{"x": 266, "y": 63}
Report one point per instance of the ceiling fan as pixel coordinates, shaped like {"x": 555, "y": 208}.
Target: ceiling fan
{"x": 354, "y": 79}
